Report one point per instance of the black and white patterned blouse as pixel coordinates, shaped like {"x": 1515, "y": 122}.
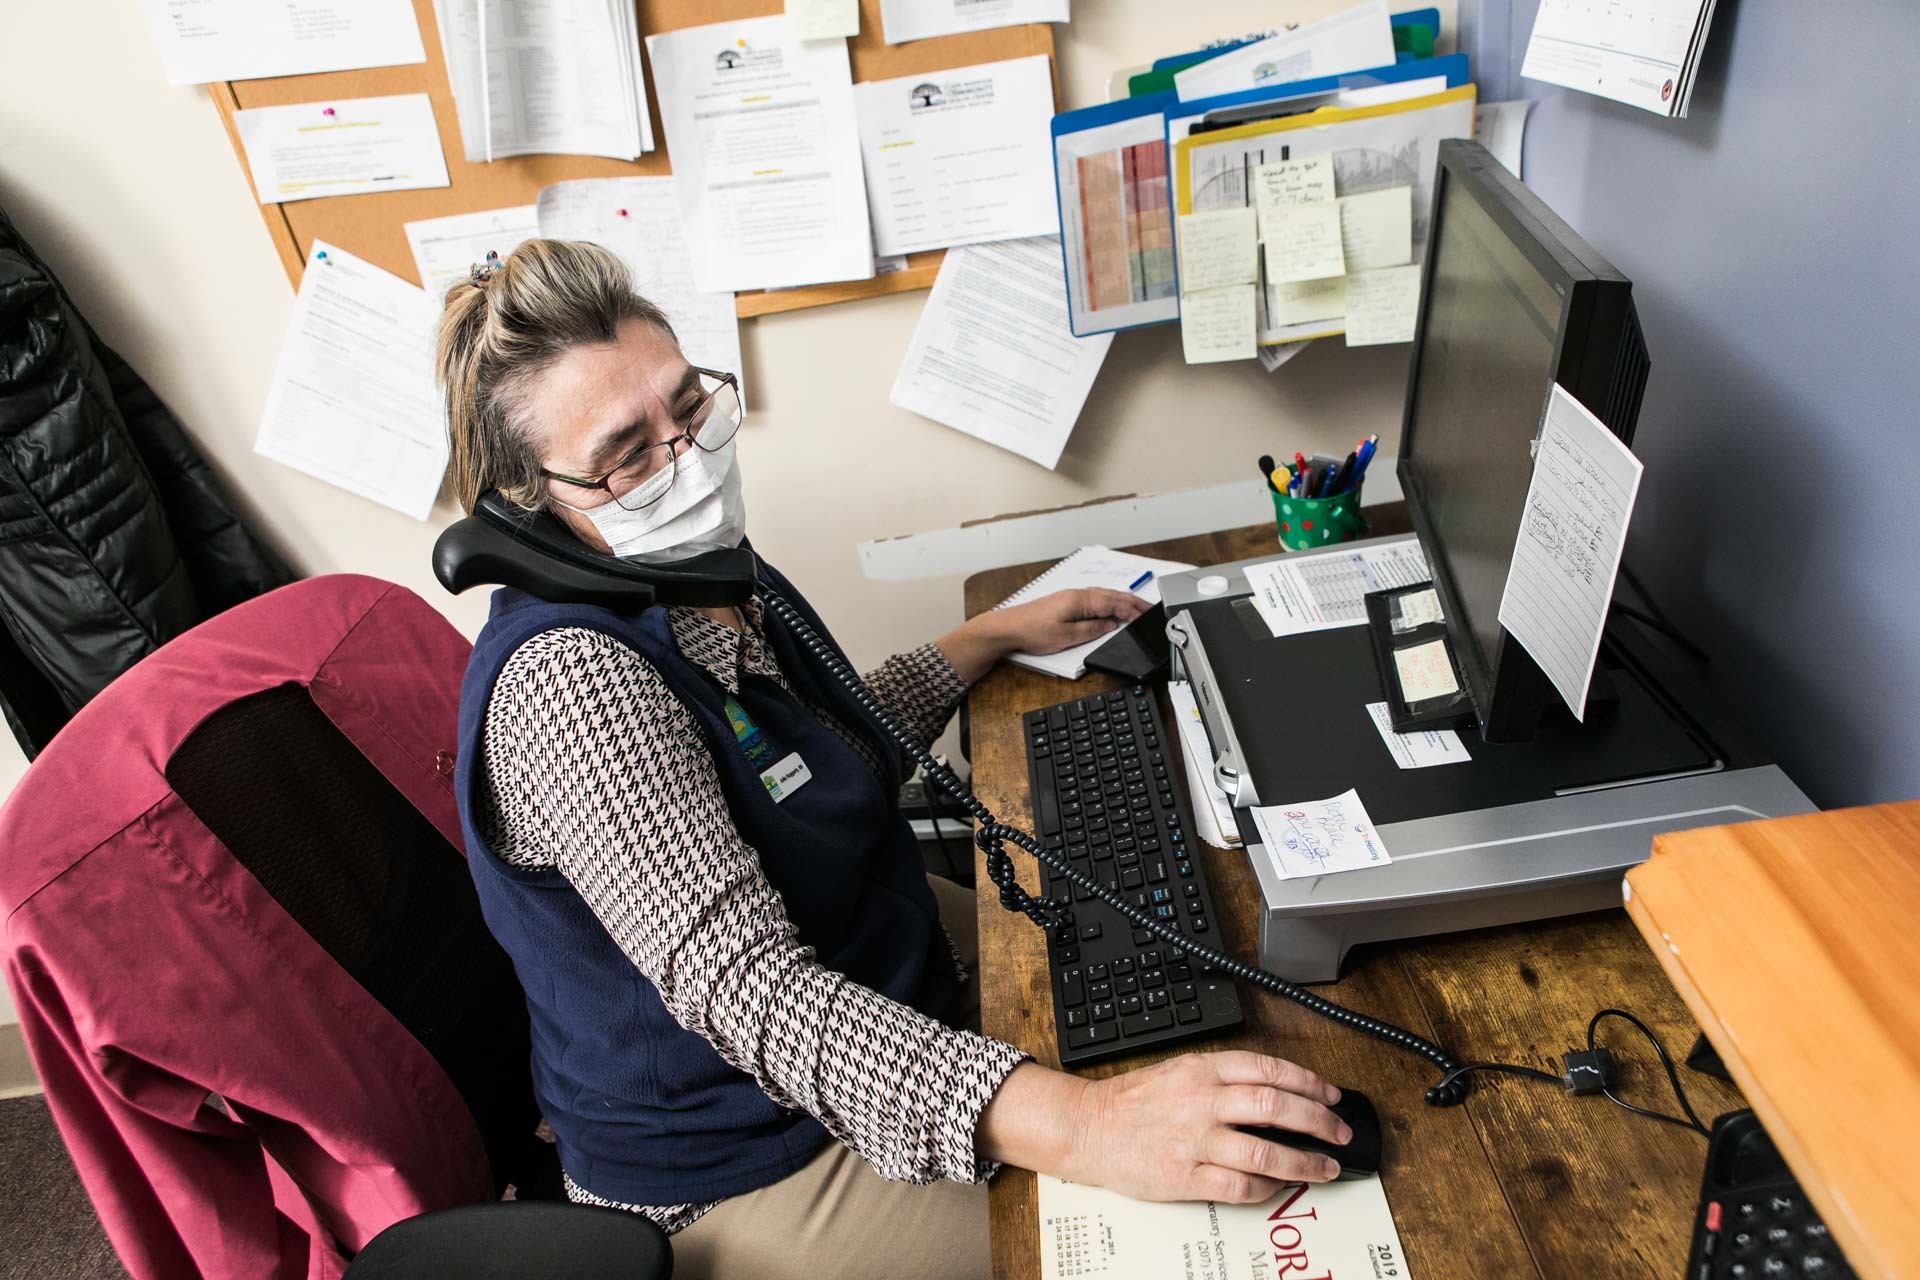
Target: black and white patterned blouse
{"x": 685, "y": 897}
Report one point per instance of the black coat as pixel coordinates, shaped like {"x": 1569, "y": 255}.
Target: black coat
{"x": 115, "y": 535}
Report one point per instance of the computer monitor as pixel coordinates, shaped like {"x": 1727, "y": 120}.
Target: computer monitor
{"x": 1511, "y": 302}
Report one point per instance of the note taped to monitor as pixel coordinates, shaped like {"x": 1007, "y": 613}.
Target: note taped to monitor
{"x": 1319, "y": 837}
{"x": 1306, "y": 1229}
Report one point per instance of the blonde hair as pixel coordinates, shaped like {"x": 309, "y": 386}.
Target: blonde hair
{"x": 497, "y": 335}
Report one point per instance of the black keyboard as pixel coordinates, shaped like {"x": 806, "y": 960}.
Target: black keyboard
{"x": 1105, "y": 797}
{"x": 1754, "y": 1221}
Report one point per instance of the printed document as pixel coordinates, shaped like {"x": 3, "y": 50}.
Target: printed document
{"x": 535, "y": 77}
{"x": 446, "y": 250}
{"x": 992, "y": 356}
{"x": 959, "y": 156}
{"x": 202, "y": 41}
{"x": 1354, "y": 39}
{"x": 904, "y": 20}
{"x": 823, "y": 19}
{"x": 1317, "y": 592}
{"x": 1307, "y": 1230}
{"x": 1421, "y": 749}
{"x": 353, "y": 400}
{"x": 341, "y": 147}
{"x": 1500, "y": 127}
{"x": 1319, "y": 837}
{"x": 639, "y": 219}
{"x": 1640, "y": 52}
{"x": 766, "y": 154}
{"x": 1572, "y": 531}
{"x": 1215, "y": 817}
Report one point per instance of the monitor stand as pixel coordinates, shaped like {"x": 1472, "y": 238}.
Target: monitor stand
{"x": 1523, "y": 831}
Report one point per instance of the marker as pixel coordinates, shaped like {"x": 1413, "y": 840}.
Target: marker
{"x": 1140, "y": 581}
{"x": 1268, "y": 471}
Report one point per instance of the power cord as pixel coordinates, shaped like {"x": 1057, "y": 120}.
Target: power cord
{"x": 1589, "y": 1072}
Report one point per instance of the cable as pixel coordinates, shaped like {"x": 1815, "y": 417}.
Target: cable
{"x": 1656, "y": 617}
{"x": 1532, "y": 1073}
{"x": 1673, "y": 1077}
{"x": 992, "y": 836}
{"x": 1652, "y": 623}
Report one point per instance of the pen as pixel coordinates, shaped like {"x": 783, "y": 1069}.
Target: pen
{"x": 1342, "y": 476}
{"x": 1367, "y": 450}
{"x": 1140, "y": 581}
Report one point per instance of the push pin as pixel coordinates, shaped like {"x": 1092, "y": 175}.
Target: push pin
{"x": 328, "y": 111}
{"x": 620, "y": 213}
{"x": 321, "y": 256}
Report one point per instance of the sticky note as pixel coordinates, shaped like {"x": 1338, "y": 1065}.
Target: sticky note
{"x": 1382, "y": 305}
{"x": 1376, "y": 228}
{"x": 1308, "y": 300}
{"x": 822, "y": 19}
{"x": 1216, "y": 249}
{"x": 1288, "y": 182}
{"x": 1319, "y": 837}
{"x": 1302, "y": 242}
{"x": 1417, "y": 609}
{"x": 1425, "y": 671}
{"x": 1217, "y": 324}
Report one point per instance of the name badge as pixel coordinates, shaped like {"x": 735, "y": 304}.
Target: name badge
{"x": 787, "y": 776}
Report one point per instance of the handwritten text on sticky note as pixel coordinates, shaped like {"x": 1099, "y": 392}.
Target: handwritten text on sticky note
{"x": 1320, "y": 837}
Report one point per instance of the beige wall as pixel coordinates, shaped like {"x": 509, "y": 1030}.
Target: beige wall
{"x": 129, "y": 188}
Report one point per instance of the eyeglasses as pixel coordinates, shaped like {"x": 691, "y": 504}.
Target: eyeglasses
{"x": 645, "y": 475}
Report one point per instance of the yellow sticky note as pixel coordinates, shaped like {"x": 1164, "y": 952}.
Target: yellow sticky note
{"x": 1376, "y": 228}
{"x": 1382, "y": 305}
{"x": 822, "y": 19}
{"x": 1307, "y": 300}
{"x": 1217, "y": 249}
{"x": 1425, "y": 671}
{"x": 1302, "y": 242}
{"x": 1217, "y": 324}
{"x": 1290, "y": 182}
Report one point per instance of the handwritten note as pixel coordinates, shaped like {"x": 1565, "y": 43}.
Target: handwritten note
{"x": 1421, "y": 749}
{"x": 1567, "y": 555}
{"x": 1302, "y": 243}
{"x": 822, "y": 19}
{"x": 1216, "y": 249}
{"x": 1320, "y": 837}
{"x": 1306, "y": 300}
{"x": 1376, "y": 228}
{"x": 1382, "y": 305}
{"x": 1217, "y": 324}
{"x": 1425, "y": 671}
{"x": 1416, "y": 609}
{"x": 1308, "y": 180}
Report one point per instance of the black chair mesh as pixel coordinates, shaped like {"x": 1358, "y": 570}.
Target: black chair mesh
{"x": 382, "y": 891}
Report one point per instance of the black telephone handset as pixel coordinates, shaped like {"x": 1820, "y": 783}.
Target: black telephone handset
{"x": 503, "y": 546}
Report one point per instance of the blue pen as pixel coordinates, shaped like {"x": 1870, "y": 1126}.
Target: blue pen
{"x": 1140, "y": 581}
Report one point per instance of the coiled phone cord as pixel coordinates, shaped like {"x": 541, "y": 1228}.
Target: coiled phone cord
{"x": 992, "y": 836}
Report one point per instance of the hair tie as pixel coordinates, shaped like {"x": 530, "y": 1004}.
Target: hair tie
{"x": 482, "y": 272}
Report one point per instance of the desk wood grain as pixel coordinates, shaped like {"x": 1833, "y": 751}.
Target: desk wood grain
{"x": 1520, "y": 1181}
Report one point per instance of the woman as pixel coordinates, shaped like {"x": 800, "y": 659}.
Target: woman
{"x": 747, "y": 1017}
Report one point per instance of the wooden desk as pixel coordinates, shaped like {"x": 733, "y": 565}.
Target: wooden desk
{"x": 1521, "y": 1180}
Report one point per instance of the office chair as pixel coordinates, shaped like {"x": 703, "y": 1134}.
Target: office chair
{"x": 252, "y": 970}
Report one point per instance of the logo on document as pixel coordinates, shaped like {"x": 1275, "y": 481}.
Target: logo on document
{"x": 926, "y": 94}
{"x": 1666, "y": 91}
{"x": 954, "y": 94}
{"x": 728, "y": 59}
{"x": 743, "y": 57}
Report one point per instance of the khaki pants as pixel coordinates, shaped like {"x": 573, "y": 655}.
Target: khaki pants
{"x": 837, "y": 1217}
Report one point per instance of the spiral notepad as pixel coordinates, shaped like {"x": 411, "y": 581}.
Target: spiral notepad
{"x": 1087, "y": 567}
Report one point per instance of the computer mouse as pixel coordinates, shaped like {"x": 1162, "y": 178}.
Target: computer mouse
{"x": 1359, "y": 1158}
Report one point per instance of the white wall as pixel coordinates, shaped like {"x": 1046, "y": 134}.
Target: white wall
{"x": 129, "y": 187}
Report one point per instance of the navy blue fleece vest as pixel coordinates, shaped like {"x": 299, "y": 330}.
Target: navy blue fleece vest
{"x": 645, "y": 1111}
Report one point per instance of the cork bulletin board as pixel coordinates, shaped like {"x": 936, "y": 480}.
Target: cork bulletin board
{"x": 371, "y": 226}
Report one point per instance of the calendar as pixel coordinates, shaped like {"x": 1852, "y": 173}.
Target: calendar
{"x": 1342, "y": 1229}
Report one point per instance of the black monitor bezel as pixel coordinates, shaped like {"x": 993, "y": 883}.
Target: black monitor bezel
{"x": 1508, "y": 689}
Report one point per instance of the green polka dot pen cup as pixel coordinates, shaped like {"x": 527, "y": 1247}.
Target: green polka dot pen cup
{"x": 1317, "y": 522}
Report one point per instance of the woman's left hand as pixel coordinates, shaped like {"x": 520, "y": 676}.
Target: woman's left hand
{"x": 1067, "y": 618}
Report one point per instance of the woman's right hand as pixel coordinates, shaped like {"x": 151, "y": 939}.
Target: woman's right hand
{"x": 1167, "y": 1132}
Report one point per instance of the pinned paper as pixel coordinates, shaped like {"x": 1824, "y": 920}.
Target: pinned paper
{"x": 1382, "y": 306}
{"x": 1302, "y": 243}
{"x": 1218, "y": 324}
{"x": 1217, "y": 249}
{"x": 1425, "y": 671}
{"x": 1319, "y": 837}
{"x": 1421, "y": 749}
{"x": 1376, "y": 228}
{"x": 1308, "y": 300}
{"x": 1308, "y": 180}
{"x": 822, "y": 19}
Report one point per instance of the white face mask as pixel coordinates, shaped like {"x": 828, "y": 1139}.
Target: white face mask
{"x": 703, "y": 510}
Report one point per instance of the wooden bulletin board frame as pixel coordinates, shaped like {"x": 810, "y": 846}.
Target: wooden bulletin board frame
{"x": 371, "y": 226}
